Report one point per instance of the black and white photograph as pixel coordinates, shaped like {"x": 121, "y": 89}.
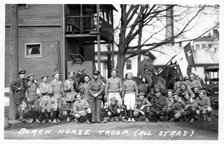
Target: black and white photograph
{"x": 111, "y": 71}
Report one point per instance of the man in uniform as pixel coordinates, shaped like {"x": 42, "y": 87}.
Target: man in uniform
{"x": 146, "y": 69}
{"x": 19, "y": 87}
{"x": 113, "y": 87}
{"x": 192, "y": 82}
{"x": 45, "y": 99}
{"x": 112, "y": 110}
{"x": 142, "y": 107}
{"x": 84, "y": 89}
{"x": 33, "y": 97}
{"x": 96, "y": 88}
{"x": 130, "y": 91}
{"x": 69, "y": 94}
{"x": 178, "y": 107}
{"x": 81, "y": 109}
{"x": 159, "y": 106}
{"x": 204, "y": 106}
{"x": 57, "y": 88}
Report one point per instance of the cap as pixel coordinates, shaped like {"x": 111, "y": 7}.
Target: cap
{"x": 156, "y": 90}
{"x": 44, "y": 76}
{"x": 169, "y": 90}
{"x": 31, "y": 74}
{"x": 114, "y": 70}
{"x": 70, "y": 73}
{"x": 55, "y": 74}
{"x": 22, "y": 72}
{"x": 113, "y": 99}
{"x": 150, "y": 55}
{"x": 96, "y": 72}
{"x": 191, "y": 74}
{"x": 141, "y": 94}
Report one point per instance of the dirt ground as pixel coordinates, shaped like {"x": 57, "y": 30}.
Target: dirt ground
{"x": 199, "y": 130}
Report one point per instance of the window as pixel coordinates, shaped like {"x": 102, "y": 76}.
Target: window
{"x": 197, "y": 46}
{"x": 128, "y": 64}
{"x": 203, "y": 46}
{"x": 33, "y": 50}
{"x": 209, "y": 45}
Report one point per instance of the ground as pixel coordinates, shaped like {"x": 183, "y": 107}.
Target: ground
{"x": 200, "y": 130}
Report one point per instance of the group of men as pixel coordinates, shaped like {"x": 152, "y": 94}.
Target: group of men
{"x": 95, "y": 101}
{"x": 48, "y": 101}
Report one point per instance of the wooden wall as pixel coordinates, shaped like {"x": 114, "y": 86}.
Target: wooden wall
{"x": 37, "y": 24}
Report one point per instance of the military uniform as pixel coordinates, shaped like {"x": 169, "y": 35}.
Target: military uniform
{"x": 159, "y": 107}
{"x": 69, "y": 96}
{"x": 112, "y": 110}
{"x": 57, "y": 88}
{"x": 96, "y": 87}
{"x": 85, "y": 91}
{"x": 204, "y": 107}
{"x": 147, "y": 70}
{"x": 81, "y": 109}
{"x": 19, "y": 87}
{"x": 45, "y": 100}
{"x": 33, "y": 98}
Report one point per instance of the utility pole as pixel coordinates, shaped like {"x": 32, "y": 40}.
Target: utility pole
{"x": 13, "y": 56}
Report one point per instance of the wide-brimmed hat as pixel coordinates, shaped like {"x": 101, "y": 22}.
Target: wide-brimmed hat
{"x": 44, "y": 76}
{"x": 31, "y": 74}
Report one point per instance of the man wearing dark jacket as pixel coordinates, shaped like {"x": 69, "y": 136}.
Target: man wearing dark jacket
{"x": 19, "y": 87}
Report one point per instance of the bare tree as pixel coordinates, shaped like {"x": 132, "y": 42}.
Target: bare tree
{"x": 137, "y": 18}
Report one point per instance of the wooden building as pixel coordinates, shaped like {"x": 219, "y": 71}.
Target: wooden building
{"x": 56, "y": 37}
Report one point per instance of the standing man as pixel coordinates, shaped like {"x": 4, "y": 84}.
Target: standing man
{"x": 84, "y": 89}
{"x": 19, "y": 87}
{"x": 33, "y": 97}
{"x": 146, "y": 69}
{"x": 113, "y": 88}
{"x": 130, "y": 91}
{"x": 45, "y": 100}
{"x": 69, "y": 93}
{"x": 57, "y": 88}
{"x": 96, "y": 88}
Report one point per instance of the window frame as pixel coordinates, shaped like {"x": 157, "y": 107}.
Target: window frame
{"x": 32, "y": 56}
{"x": 129, "y": 63}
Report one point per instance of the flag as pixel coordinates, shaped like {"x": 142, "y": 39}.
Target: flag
{"x": 183, "y": 63}
{"x": 189, "y": 54}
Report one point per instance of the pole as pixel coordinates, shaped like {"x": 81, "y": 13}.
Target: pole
{"x": 13, "y": 56}
{"x": 98, "y": 36}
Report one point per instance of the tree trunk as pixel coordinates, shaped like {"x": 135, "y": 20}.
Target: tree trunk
{"x": 109, "y": 62}
{"x": 120, "y": 65}
{"x": 139, "y": 48}
{"x": 13, "y": 57}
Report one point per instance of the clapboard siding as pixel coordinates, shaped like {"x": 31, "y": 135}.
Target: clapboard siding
{"x": 42, "y": 14}
{"x": 7, "y": 56}
{"x": 51, "y": 45}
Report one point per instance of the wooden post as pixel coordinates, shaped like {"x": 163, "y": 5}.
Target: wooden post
{"x": 98, "y": 36}
{"x": 13, "y": 56}
{"x": 109, "y": 66}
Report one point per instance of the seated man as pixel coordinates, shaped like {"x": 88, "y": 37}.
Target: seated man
{"x": 196, "y": 90}
{"x": 192, "y": 81}
{"x": 190, "y": 109}
{"x": 142, "y": 107}
{"x": 170, "y": 102}
{"x": 204, "y": 105}
{"x": 183, "y": 90}
{"x": 177, "y": 107}
{"x": 159, "y": 106}
{"x": 112, "y": 110}
{"x": 81, "y": 109}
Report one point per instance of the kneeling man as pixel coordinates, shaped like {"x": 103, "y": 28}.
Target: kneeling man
{"x": 81, "y": 109}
